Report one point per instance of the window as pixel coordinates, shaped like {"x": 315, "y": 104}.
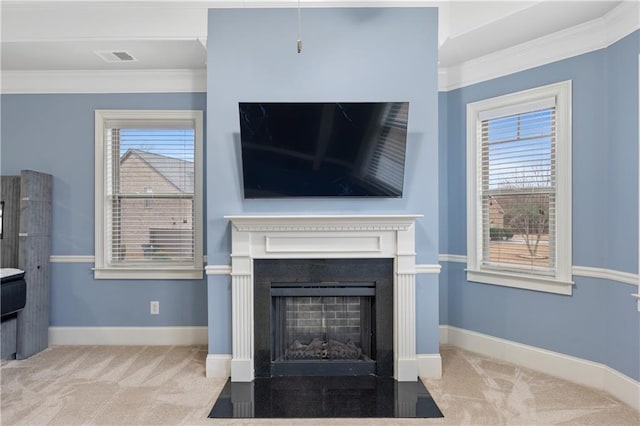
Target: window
{"x": 148, "y": 202}
{"x": 148, "y": 194}
{"x": 519, "y": 189}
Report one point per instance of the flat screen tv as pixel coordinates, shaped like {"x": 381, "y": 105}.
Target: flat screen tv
{"x": 333, "y": 149}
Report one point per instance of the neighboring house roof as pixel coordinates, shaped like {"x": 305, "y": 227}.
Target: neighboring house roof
{"x": 176, "y": 171}
{"x": 497, "y": 204}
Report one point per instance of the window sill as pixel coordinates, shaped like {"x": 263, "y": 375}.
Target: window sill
{"x": 157, "y": 273}
{"x": 528, "y": 282}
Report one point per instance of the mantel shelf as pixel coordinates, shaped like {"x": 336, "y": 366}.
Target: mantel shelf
{"x": 322, "y": 222}
{"x": 327, "y": 217}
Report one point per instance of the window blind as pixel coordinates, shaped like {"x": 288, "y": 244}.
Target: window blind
{"x": 150, "y": 189}
{"x": 518, "y": 188}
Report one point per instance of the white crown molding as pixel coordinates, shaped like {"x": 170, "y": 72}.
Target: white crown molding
{"x": 593, "y": 35}
{"x": 588, "y": 37}
{"x": 128, "y": 336}
{"x": 443, "y": 79}
{"x": 101, "y": 81}
{"x": 577, "y": 370}
{"x": 621, "y": 21}
{"x": 231, "y": 3}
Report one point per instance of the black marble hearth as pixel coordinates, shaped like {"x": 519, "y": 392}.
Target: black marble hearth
{"x": 325, "y": 397}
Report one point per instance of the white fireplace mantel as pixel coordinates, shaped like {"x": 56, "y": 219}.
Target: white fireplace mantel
{"x": 323, "y": 236}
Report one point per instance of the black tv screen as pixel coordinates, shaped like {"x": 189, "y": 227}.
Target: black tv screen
{"x": 336, "y": 149}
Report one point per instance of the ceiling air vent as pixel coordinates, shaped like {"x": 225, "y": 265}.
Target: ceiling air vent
{"x": 116, "y": 56}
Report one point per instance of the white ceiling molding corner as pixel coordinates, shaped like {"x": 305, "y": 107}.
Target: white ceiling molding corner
{"x": 444, "y": 23}
{"x": 104, "y": 81}
{"x": 443, "y": 81}
{"x": 480, "y": 15}
{"x": 590, "y": 36}
{"x": 622, "y": 21}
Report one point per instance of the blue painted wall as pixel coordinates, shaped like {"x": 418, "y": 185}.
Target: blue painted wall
{"x": 370, "y": 54}
{"x": 621, "y": 144}
{"x": 55, "y": 134}
{"x": 599, "y": 322}
{"x": 443, "y": 202}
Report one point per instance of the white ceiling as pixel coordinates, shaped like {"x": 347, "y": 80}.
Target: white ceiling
{"x": 171, "y": 35}
{"x": 480, "y": 28}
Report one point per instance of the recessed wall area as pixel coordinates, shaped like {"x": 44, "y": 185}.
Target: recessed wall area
{"x": 348, "y": 55}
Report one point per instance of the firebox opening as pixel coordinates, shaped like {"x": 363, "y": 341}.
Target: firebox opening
{"x": 322, "y": 322}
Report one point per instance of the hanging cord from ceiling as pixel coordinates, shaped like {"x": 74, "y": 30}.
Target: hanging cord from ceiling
{"x": 299, "y": 44}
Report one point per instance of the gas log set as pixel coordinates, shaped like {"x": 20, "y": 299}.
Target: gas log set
{"x": 320, "y": 348}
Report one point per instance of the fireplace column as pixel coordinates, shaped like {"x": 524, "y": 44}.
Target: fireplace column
{"x": 404, "y": 295}
{"x": 242, "y": 308}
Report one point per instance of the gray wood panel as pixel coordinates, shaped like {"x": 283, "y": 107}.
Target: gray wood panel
{"x": 10, "y": 194}
{"x": 33, "y": 258}
{"x": 8, "y": 329}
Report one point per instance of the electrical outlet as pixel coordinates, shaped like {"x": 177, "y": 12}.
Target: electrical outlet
{"x": 155, "y": 307}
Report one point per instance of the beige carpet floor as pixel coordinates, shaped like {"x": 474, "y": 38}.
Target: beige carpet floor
{"x": 151, "y": 385}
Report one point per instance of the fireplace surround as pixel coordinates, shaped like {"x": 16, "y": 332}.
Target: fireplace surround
{"x": 323, "y": 237}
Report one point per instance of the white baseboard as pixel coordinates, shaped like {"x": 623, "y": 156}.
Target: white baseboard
{"x": 405, "y": 370}
{"x": 444, "y": 334}
{"x": 153, "y": 336}
{"x": 577, "y": 370}
{"x": 574, "y": 369}
{"x": 218, "y": 366}
{"x": 429, "y": 366}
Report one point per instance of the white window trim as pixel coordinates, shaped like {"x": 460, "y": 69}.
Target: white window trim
{"x": 562, "y": 282}
{"x": 102, "y": 268}
{"x": 637, "y": 295}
